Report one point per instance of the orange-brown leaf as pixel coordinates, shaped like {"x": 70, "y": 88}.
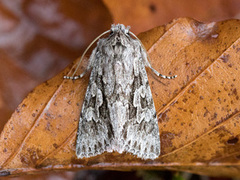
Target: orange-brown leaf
{"x": 38, "y": 39}
{"x": 147, "y": 14}
{"x": 198, "y": 112}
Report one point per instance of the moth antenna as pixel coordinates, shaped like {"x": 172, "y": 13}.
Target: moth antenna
{"x": 149, "y": 60}
{"x": 81, "y": 75}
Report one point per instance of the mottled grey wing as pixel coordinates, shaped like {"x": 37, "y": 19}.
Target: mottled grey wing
{"x": 118, "y": 112}
{"x": 94, "y": 135}
{"x": 141, "y": 132}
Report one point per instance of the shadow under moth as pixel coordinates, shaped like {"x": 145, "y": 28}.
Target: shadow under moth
{"x": 118, "y": 112}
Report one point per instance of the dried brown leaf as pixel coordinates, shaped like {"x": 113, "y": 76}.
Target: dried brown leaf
{"x": 38, "y": 39}
{"x": 14, "y": 85}
{"x": 198, "y": 112}
{"x": 143, "y": 15}
{"x": 47, "y": 35}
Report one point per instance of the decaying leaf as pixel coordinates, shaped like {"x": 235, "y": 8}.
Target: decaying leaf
{"x": 38, "y": 39}
{"x": 14, "y": 85}
{"x": 198, "y": 112}
{"x": 147, "y": 14}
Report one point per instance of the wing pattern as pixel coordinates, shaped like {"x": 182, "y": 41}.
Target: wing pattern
{"x": 118, "y": 112}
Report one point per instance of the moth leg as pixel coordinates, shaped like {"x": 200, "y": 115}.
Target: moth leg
{"x": 146, "y": 59}
{"x": 89, "y": 66}
{"x": 147, "y": 63}
{"x": 91, "y": 61}
{"x": 75, "y": 77}
{"x": 161, "y": 75}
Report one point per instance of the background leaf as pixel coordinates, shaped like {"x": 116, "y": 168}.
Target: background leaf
{"x": 198, "y": 112}
{"x": 39, "y": 38}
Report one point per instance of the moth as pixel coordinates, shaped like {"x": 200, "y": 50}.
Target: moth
{"x": 118, "y": 112}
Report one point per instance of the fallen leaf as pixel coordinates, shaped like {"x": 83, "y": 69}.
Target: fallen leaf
{"x": 14, "y": 85}
{"x": 143, "y": 15}
{"x": 198, "y": 112}
{"x": 38, "y": 39}
{"x": 47, "y": 35}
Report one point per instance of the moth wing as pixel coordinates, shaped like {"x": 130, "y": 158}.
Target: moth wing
{"x": 94, "y": 135}
{"x": 141, "y": 132}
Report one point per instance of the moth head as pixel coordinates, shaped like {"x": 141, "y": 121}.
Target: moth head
{"x": 119, "y": 28}
{"x": 119, "y": 35}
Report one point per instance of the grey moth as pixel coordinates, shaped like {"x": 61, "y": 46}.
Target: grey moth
{"x": 118, "y": 112}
